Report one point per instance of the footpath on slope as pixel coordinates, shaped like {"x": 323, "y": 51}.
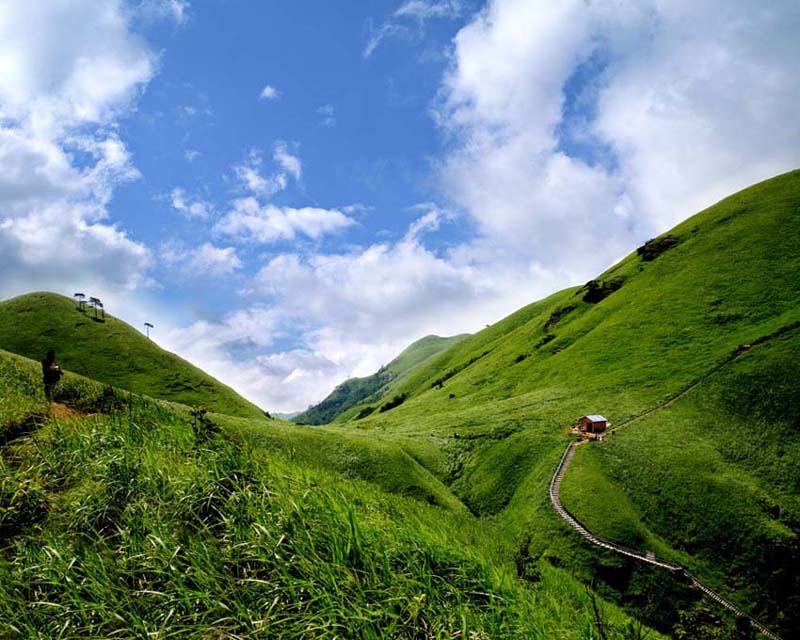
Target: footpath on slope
{"x": 555, "y": 498}
{"x": 649, "y": 558}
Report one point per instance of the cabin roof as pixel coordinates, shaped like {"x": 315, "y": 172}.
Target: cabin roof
{"x": 596, "y": 418}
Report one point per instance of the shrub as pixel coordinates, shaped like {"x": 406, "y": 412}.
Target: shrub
{"x": 394, "y": 402}
{"x": 651, "y": 249}
{"x": 558, "y": 315}
{"x": 597, "y": 290}
{"x": 366, "y": 411}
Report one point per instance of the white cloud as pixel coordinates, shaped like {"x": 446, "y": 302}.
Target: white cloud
{"x": 212, "y": 345}
{"x": 204, "y": 260}
{"x": 430, "y": 221}
{"x": 189, "y": 207}
{"x": 253, "y": 180}
{"x": 68, "y": 70}
{"x": 215, "y": 260}
{"x": 269, "y": 93}
{"x": 358, "y": 310}
{"x": 686, "y": 102}
{"x": 417, "y": 11}
{"x": 176, "y": 10}
{"x": 192, "y": 154}
{"x": 425, "y": 9}
{"x": 250, "y": 177}
{"x": 327, "y": 114}
{"x": 250, "y": 221}
{"x": 288, "y": 162}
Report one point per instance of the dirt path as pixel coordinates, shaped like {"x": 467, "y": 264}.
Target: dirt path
{"x": 649, "y": 558}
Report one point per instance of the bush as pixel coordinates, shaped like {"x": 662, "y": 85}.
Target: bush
{"x": 597, "y": 290}
{"x": 558, "y": 315}
{"x": 394, "y": 402}
{"x": 366, "y": 411}
{"x": 651, "y": 249}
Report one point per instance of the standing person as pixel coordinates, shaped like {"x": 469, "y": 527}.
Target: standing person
{"x": 51, "y": 373}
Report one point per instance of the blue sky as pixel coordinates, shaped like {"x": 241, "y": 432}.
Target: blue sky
{"x": 359, "y": 125}
{"x": 292, "y": 192}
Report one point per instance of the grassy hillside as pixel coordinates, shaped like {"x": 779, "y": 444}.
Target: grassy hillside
{"x": 132, "y": 521}
{"x": 111, "y": 351}
{"x": 498, "y": 404}
{"x": 737, "y": 438}
{"x": 457, "y": 466}
{"x": 370, "y": 389}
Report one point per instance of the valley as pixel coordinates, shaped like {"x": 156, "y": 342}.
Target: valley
{"x": 422, "y": 503}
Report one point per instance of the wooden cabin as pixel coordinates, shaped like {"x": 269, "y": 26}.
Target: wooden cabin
{"x": 595, "y": 424}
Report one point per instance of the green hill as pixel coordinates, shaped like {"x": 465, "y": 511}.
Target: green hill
{"x": 125, "y": 517}
{"x": 110, "y": 351}
{"x": 371, "y": 388}
{"x": 425, "y": 512}
{"x": 710, "y": 481}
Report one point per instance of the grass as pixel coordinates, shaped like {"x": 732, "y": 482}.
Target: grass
{"x": 125, "y": 525}
{"x": 458, "y": 472}
{"x": 716, "y": 478}
{"x": 357, "y": 391}
{"x": 112, "y": 352}
{"x": 728, "y": 279}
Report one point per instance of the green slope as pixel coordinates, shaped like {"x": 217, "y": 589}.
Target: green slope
{"x": 499, "y": 403}
{"x": 709, "y": 481}
{"x": 370, "y": 389}
{"x": 713, "y": 481}
{"x": 112, "y": 352}
{"x": 131, "y": 524}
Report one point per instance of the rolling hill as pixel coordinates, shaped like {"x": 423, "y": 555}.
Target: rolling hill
{"x": 437, "y": 490}
{"x": 709, "y": 481}
{"x": 121, "y": 516}
{"x": 370, "y": 389}
{"x": 110, "y": 351}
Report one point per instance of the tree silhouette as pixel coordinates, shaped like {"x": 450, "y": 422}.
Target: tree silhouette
{"x": 102, "y": 310}
{"x": 148, "y": 326}
{"x": 80, "y": 298}
{"x": 94, "y": 303}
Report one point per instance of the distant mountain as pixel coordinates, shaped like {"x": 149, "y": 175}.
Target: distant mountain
{"x": 110, "y": 351}
{"x": 359, "y": 390}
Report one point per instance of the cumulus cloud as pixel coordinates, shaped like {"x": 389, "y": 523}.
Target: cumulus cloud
{"x": 269, "y": 380}
{"x": 678, "y": 103}
{"x": 189, "y": 207}
{"x": 250, "y": 172}
{"x": 425, "y": 9}
{"x": 204, "y": 260}
{"x": 175, "y": 10}
{"x": 69, "y": 70}
{"x": 287, "y": 161}
{"x": 215, "y": 260}
{"x": 250, "y": 221}
{"x": 359, "y": 309}
{"x": 269, "y": 93}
